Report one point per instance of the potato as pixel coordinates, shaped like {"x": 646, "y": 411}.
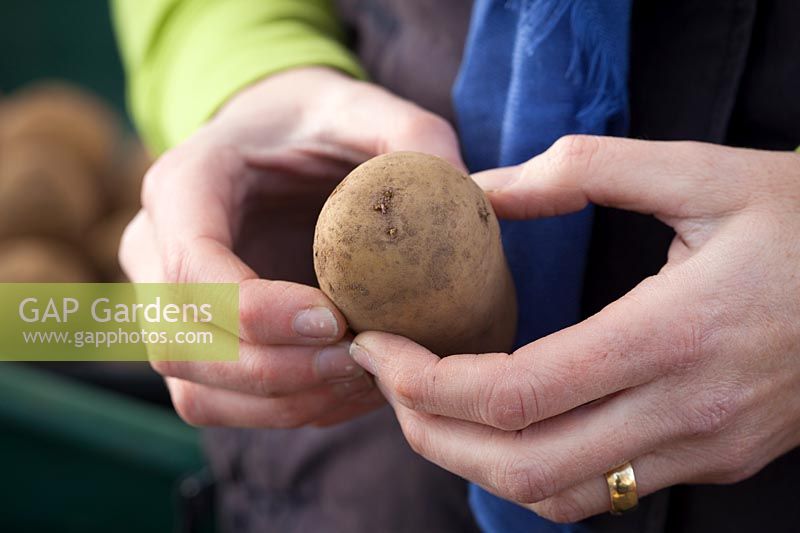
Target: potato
{"x": 410, "y": 245}
{"x": 102, "y": 243}
{"x": 126, "y": 183}
{"x": 39, "y": 261}
{"x": 46, "y": 191}
{"x": 65, "y": 115}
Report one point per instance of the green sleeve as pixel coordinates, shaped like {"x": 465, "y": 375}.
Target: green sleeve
{"x": 185, "y": 58}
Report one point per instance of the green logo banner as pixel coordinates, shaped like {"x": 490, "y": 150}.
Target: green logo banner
{"x": 119, "y": 321}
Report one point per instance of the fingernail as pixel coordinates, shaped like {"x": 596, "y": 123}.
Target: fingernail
{"x": 494, "y": 180}
{"x": 317, "y": 323}
{"x": 334, "y": 363}
{"x": 353, "y": 387}
{"x": 361, "y": 356}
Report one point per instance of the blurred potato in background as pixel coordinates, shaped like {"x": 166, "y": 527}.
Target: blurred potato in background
{"x": 70, "y": 177}
{"x": 65, "y": 115}
{"x": 30, "y": 260}
{"x": 45, "y": 190}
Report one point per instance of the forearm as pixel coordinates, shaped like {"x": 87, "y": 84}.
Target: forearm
{"x": 185, "y": 58}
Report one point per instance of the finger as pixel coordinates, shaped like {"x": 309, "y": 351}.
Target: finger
{"x": 200, "y": 405}
{"x": 669, "y": 179}
{"x": 189, "y": 195}
{"x": 281, "y": 312}
{"x": 543, "y": 460}
{"x": 138, "y": 254}
{"x": 270, "y": 371}
{"x": 141, "y": 263}
{"x": 708, "y": 456}
{"x": 402, "y": 126}
{"x": 653, "y": 472}
{"x": 270, "y": 312}
{"x": 648, "y": 333}
{"x": 451, "y": 386}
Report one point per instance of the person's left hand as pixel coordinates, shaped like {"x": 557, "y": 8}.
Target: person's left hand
{"x": 694, "y": 375}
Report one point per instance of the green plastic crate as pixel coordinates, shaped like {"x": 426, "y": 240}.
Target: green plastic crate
{"x": 76, "y": 458}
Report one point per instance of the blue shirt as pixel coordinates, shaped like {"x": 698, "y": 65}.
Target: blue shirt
{"x": 533, "y": 71}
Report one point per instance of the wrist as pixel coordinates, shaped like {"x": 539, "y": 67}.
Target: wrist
{"x": 296, "y": 87}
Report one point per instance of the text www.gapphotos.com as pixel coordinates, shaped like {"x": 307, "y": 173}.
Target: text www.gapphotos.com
{"x": 79, "y": 339}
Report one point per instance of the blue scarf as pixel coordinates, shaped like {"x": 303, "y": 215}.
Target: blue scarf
{"x": 533, "y": 71}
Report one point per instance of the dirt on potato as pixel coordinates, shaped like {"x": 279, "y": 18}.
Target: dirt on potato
{"x": 410, "y": 245}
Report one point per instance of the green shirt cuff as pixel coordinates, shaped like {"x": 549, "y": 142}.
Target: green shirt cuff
{"x": 186, "y": 60}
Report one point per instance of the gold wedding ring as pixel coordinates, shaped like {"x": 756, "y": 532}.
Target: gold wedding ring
{"x": 622, "y": 488}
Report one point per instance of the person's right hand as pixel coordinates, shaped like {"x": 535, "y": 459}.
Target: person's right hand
{"x": 237, "y": 202}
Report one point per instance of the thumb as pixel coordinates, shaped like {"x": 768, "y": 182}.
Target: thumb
{"x": 667, "y": 179}
{"x": 374, "y": 121}
{"x": 421, "y": 131}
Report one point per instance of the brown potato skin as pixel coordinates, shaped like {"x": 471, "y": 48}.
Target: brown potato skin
{"x": 31, "y": 260}
{"x": 46, "y": 190}
{"x": 410, "y": 245}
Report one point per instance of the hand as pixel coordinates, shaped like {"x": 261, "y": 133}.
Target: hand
{"x": 253, "y": 180}
{"x": 693, "y": 376}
